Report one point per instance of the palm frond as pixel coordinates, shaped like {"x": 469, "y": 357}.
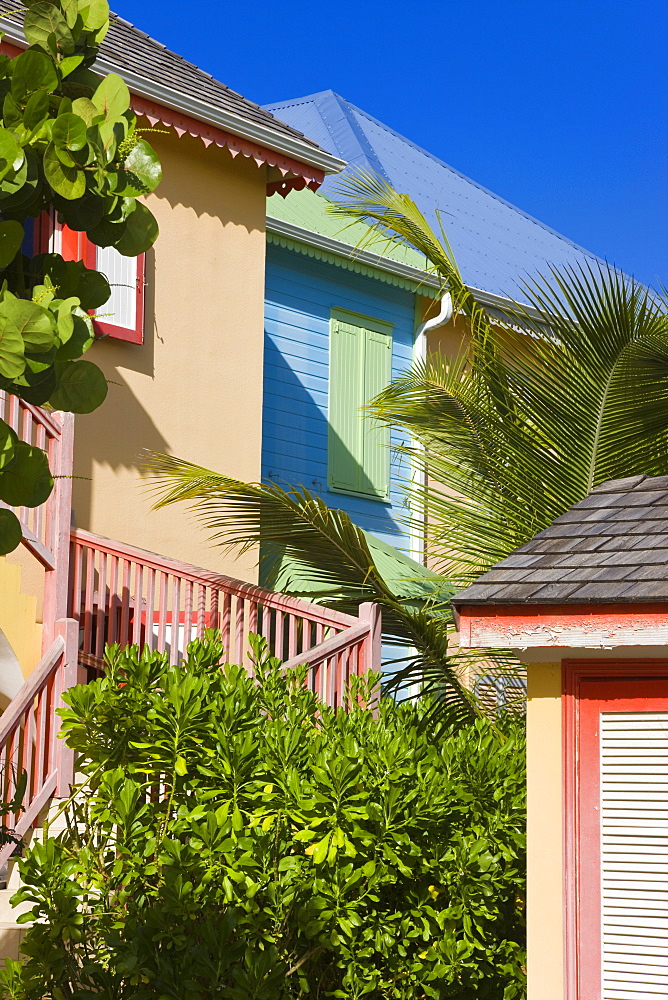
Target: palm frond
{"x": 334, "y": 553}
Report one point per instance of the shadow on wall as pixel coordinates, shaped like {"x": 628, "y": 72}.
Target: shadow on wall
{"x": 120, "y": 409}
{"x": 11, "y": 675}
{"x": 296, "y": 439}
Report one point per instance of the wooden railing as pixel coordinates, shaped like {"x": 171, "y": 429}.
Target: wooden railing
{"x": 28, "y": 738}
{"x": 46, "y": 528}
{"x": 122, "y": 594}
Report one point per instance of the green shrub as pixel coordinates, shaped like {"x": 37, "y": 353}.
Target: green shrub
{"x": 237, "y": 839}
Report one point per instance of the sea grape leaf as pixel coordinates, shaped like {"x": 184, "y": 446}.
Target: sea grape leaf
{"x": 82, "y": 338}
{"x": 69, "y": 182}
{"x": 11, "y": 238}
{"x": 112, "y": 97}
{"x": 27, "y": 481}
{"x": 37, "y": 109}
{"x": 10, "y": 531}
{"x": 94, "y": 14}
{"x": 8, "y": 442}
{"x": 42, "y": 21}
{"x": 81, "y": 387}
{"x": 69, "y": 131}
{"x": 33, "y": 70}
{"x": 140, "y": 173}
{"x": 85, "y": 109}
{"x": 141, "y": 232}
{"x": 12, "y": 156}
{"x": 12, "y": 360}
{"x": 33, "y": 322}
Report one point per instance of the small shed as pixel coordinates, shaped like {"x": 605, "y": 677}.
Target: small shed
{"x": 585, "y": 605}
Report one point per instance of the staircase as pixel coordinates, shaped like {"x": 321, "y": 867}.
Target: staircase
{"x": 98, "y": 591}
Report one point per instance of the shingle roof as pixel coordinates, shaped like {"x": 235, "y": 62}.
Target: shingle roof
{"x": 610, "y": 547}
{"x": 496, "y": 244}
{"x": 132, "y": 50}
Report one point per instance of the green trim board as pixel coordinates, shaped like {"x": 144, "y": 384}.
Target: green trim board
{"x": 303, "y": 224}
{"x": 360, "y": 366}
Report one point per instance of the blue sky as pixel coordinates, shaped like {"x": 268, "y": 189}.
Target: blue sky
{"x": 562, "y": 108}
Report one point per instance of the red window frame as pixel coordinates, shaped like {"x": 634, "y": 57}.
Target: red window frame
{"x": 589, "y": 689}
{"x": 77, "y": 246}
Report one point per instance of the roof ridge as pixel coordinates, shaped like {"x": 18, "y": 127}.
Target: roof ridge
{"x": 476, "y": 184}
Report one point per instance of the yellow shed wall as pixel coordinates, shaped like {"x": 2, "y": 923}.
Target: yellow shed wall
{"x": 544, "y": 833}
{"x": 194, "y": 389}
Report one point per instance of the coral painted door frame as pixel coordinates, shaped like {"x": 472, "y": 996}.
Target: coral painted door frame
{"x": 590, "y": 688}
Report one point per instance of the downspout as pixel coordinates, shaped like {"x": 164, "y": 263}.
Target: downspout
{"x": 420, "y": 355}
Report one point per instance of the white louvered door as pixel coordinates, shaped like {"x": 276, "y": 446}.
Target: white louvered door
{"x": 634, "y": 855}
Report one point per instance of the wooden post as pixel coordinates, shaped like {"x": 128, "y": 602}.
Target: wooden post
{"x": 372, "y": 648}
{"x": 56, "y": 584}
{"x": 68, "y": 676}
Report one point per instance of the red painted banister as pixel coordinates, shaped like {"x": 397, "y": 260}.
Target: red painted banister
{"x": 123, "y": 594}
{"x": 28, "y": 736}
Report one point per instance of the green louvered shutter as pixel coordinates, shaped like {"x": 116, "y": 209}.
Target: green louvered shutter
{"x": 375, "y": 437}
{"x": 360, "y": 366}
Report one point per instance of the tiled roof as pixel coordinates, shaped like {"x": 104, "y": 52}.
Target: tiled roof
{"x": 496, "y": 244}
{"x": 132, "y": 50}
{"x": 610, "y": 547}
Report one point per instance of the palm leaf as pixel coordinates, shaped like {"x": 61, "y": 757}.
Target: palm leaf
{"x": 337, "y": 556}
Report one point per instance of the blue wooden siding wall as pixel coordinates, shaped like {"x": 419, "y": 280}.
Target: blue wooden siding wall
{"x": 300, "y": 295}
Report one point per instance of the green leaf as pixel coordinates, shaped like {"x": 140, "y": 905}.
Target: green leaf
{"x": 180, "y": 766}
{"x": 27, "y": 482}
{"x": 112, "y": 97}
{"x": 71, "y": 11}
{"x": 141, "y": 171}
{"x": 94, "y": 14}
{"x": 37, "y": 109}
{"x": 34, "y": 323}
{"x": 141, "y": 232}
{"x": 8, "y": 442}
{"x": 81, "y": 387}
{"x": 69, "y": 131}
{"x": 69, "y": 182}
{"x": 10, "y": 537}
{"x": 69, "y": 64}
{"x": 81, "y": 338}
{"x": 12, "y": 360}
{"x": 20, "y": 188}
{"x": 93, "y": 289}
{"x": 44, "y": 20}
{"x": 11, "y": 238}
{"x": 32, "y": 71}
{"x": 12, "y": 156}
{"x": 85, "y": 109}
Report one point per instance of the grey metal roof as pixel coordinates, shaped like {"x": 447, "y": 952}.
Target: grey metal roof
{"x": 496, "y": 244}
{"x": 135, "y": 52}
{"x": 610, "y": 547}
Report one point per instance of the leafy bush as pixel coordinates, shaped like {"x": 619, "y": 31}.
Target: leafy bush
{"x": 237, "y": 839}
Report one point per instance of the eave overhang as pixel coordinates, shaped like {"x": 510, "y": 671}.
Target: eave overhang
{"x": 292, "y": 164}
{"x": 554, "y": 631}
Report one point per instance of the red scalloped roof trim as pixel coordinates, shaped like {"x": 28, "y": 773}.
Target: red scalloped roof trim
{"x": 296, "y": 175}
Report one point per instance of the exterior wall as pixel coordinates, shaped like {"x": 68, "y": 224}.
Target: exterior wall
{"x": 544, "y": 832}
{"x": 20, "y": 621}
{"x": 194, "y": 388}
{"x": 300, "y": 295}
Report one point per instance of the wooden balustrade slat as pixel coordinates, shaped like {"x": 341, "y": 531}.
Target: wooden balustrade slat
{"x": 239, "y": 631}
{"x": 101, "y": 618}
{"x": 187, "y": 615}
{"x": 114, "y": 604}
{"x": 124, "y": 628}
{"x": 175, "y": 619}
{"x": 138, "y": 603}
{"x": 150, "y": 608}
{"x": 162, "y": 621}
